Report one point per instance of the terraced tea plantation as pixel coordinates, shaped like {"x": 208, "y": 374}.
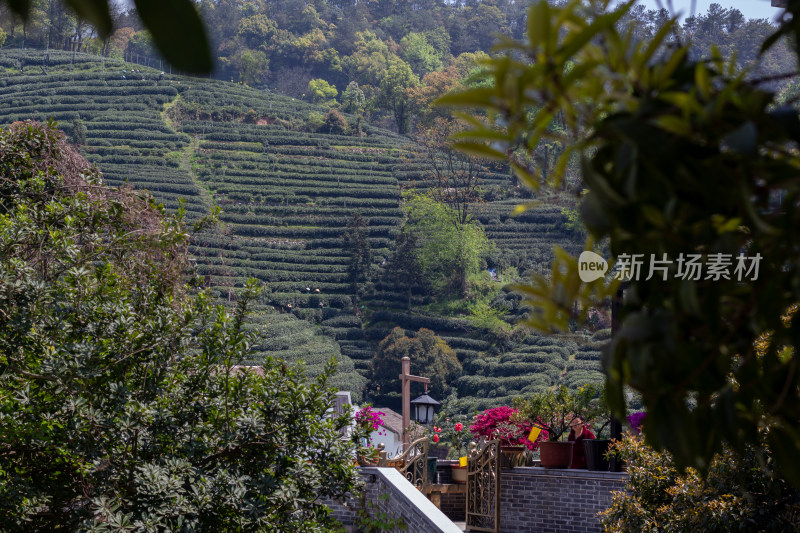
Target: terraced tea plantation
{"x": 286, "y": 195}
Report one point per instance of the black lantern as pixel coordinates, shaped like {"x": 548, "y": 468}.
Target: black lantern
{"x": 424, "y": 407}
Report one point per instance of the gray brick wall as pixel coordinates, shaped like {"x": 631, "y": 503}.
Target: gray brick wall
{"x": 454, "y": 506}
{"x": 546, "y": 500}
{"x": 404, "y": 500}
{"x": 534, "y": 500}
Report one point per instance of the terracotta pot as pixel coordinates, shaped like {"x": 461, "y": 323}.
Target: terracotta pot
{"x": 459, "y": 474}
{"x": 555, "y": 454}
{"x": 509, "y": 456}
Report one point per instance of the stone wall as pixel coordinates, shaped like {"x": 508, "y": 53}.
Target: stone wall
{"x": 533, "y": 499}
{"x": 544, "y": 500}
{"x": 454, "y": 506}
{"x": 388, "y": 493}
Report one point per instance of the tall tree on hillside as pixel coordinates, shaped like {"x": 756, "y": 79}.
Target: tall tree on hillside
{"x": 368, "y": 63}
{"x": 455, "y": 175}
{"x": 404, "y": 267}
{"x": 461, "y": 73}
{"x": 430, "y": 357}
{"x": 321, "y": 92}
{"x": 355, "y": 242}
{"x": 448, "y": 250}
{"x": 394, "y": 92}
{"x": 353, "y": 99}
{"x": 419, "y": 54}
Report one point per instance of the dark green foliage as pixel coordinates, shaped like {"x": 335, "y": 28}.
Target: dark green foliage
{"x": 404, "y": 268}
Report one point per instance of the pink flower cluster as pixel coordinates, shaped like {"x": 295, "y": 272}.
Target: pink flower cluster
{"x": 499, "y": 422}
{"x": 366, "y": 417}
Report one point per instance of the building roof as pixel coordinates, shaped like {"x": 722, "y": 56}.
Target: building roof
{"x": 392, "y": 421}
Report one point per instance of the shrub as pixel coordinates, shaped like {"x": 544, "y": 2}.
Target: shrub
{"x": 736, "y": 495}
{"x": 335, "y": 122}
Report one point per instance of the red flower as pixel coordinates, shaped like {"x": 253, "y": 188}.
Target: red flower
{"x": 436, "y": 438}
{"x": 459, "y": 426}
{"x": 437, "y": 429}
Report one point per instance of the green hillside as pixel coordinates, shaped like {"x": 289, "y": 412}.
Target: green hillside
{"x": 287, "y": 185}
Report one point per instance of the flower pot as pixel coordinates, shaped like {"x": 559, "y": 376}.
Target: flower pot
{"x": 459, "y": 474}
{"x": 509, "y": 456}
{"x": 595, "y": 451}
{"x": 555, "y": 454}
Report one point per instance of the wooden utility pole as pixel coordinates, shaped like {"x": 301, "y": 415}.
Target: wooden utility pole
{"x": 405, "y": 380}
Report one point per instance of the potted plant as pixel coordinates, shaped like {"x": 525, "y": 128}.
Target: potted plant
{"x": 448, "y": 438}
{"x": 366, "y": 421}
{"x": 503, "y": 423}
{"x": 553, "y": 411}
{"x": 455, "y": 433}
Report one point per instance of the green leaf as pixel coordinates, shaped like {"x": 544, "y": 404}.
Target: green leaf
{"x": 655, "y": 43}
{"x": 665, "y": 71}
{"x": 539, "y": 24}
{"x": 702, "y": 80}
{"x": 574, "y": 43}
{"x": 482, "y": 134}
{"x": 472, "y": 97}
{"x": 184, "y": 44}
{"x": 673, "y": 124}
{"x": 479, "y": 150}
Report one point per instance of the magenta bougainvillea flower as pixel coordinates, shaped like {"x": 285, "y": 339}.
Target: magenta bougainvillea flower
{"x": 500, "y": 422}
{"x": 367, "y": 417}
{"x": 635, "y": 421}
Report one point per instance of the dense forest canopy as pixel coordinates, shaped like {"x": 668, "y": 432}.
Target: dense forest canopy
{"x": 400, "y": 55}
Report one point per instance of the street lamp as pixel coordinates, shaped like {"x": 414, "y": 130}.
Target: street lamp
{"x": 424, "y": 408}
